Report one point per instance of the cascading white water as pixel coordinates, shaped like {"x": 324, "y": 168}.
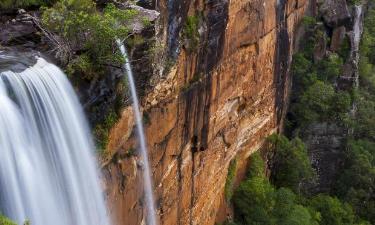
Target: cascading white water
{"x": 149, "y": 197}
{"x": 357, "y": 28}
{"x": 47, "y": 166}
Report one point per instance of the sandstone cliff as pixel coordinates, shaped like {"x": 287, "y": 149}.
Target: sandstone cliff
{"x": 218, "y": 102}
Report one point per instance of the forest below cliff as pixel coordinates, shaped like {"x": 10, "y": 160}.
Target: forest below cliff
{"x": 288, "y": 188}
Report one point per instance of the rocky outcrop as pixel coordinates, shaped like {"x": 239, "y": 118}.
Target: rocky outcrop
{"x": 335, "y": 12}
{"x": 217, "y": 102}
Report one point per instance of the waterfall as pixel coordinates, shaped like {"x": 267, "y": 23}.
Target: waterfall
{"x": 147, "y": 179}
{"x": 48, "y": 173}
{"x": 357, "y": 28}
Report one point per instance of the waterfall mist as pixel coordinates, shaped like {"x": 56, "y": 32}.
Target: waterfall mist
{"x": 47, "y": 171}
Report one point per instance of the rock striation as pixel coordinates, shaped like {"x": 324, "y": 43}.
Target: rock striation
{"x": 218, "y": 101}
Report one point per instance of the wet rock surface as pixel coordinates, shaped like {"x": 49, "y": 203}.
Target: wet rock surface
{"x": 12, "y": 60}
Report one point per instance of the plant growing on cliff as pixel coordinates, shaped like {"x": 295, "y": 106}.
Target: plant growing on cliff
{"x": 190, "y": 32}
{"x": 6, "y": 221}
{"x": 90, "y": 35}
{"x": 101, "y": 131}
{"x": 228, "y": 189}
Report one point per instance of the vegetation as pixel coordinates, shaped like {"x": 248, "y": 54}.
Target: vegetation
{"x": 291, "y": 165}
{"x": 228, "y": 190}
{"x": 332, "y": 211}
{"x": 101, "y": 131}
{"x": 257, "y": 201}
{"x": 84, "y": 38}
{"x": 6, "y": 221}
{"x": 87, "y": 33}
{"x": 190, "y": 32}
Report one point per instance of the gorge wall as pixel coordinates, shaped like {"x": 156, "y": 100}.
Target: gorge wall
{"x": 218, "y": 102}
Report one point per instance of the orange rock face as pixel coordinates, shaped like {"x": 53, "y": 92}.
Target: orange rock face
{"x": 217, "y": 103}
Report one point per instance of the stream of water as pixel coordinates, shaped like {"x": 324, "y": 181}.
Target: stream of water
{"x": 149, "y": 198}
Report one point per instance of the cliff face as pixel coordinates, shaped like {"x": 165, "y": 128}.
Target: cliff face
{"x": 218, "y": 102}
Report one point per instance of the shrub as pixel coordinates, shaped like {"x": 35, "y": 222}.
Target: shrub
{"x": 190, "y": 32}
{"x": 253, "y": 201}
{"x": 332, "y": 210}
{"x": 290, "y": 164}
{"x": 356, "y": 183}
{"x": 256, "y": 166}
{"x": 87, "y": 33}
{"x": 257, "y": 202}
{"x": 330, "y": 68}
{"x": 315, "y": 103}
{"x": 6, "y": 221}
{"x": 101, "y": 131}
{"x": 288, "y": 211}
{"x": 309, "y": 22}
{"x": 344, "y": 51}
{"x": 228, "y": 189}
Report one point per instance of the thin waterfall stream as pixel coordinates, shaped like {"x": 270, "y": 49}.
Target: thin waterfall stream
{"x": 151, "y": 219}
{"x": 48, "y": 173}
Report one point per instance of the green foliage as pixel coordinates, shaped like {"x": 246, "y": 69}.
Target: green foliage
{"x": 253, "y": 201}
{"x": 314, "y": 97}
{"x": 291, "y": 165}
{"x": 190, "y": 32}
{"x": 309, "y": 22}
{"x": 87, "y": 44}
{"x": 288, "y": 212}
{"x": 330, "y": 68}
{"x": 315, "y": 102}
{"x": 254, "y": 198}
{"x": 256, "y": 166}
{"x": 364, "y": 122}
{"x": 344, "y": 51}
{"x": 332, "y": 210}
{"x": 6, "y": 221}
{"x": 91, "y": 33}
{"x": 83, "y": 65}
{"x": 354, "y": 2}
{"x": 146, "y": 118}
{"x": 257, "y": 202}
{"x": 317, "y": 98}
{"x": 356, "y": 184}
{"x": 228, "y": 189}
{"x": 101, "y": 131}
